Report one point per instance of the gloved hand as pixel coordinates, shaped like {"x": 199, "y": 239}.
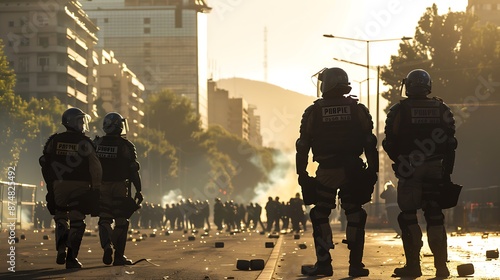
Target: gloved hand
{"x": 51, "y": 202}
{"x": 138, "y": 198}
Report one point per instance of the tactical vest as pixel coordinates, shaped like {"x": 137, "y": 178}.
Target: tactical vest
{"x": 419, "y": 118}
{"x": 69, "y": 156}
{"x": 336, "y": 129}
{"x": 114, "y": 154}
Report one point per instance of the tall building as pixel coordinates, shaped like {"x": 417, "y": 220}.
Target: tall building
{"x": 254, "y": 135}
{"x": 233, "y": 114}
{"x": 486, "y": 10}
{"x": 50, "y": 44}
{"x": 218, "y": 105}
{"x": 120, "y": 91}
{"x": 238, "y": 117}
{"x": 163, "y": 41}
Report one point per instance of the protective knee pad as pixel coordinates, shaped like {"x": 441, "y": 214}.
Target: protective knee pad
{"x": 355, "y": 229}
{"x": 319, "y": 215}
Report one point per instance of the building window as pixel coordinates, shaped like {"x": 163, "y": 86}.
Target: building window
{"x": 106, "y": 20}
{"x": 147, "y": 30}
{"x": 43, "y": 61}
{"x": 11, "y": 23}
{"x": 23, "y": 64}
{"x": 43, "y": 41}
{"x": 23, "y": 79}
{"x": 147, "y": 20}
{"x": 42, "y": 79}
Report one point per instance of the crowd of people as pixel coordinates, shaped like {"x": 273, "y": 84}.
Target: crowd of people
{"x": 187, "y": 214}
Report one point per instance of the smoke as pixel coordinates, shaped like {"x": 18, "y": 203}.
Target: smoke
{"x": 173, "y": 196}
{"x": 282, "y": 180}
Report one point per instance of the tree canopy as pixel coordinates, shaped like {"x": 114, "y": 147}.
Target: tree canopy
{"x": 463, "y": 58}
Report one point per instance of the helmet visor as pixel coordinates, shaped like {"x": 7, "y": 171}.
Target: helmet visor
{"x": 82, "y": 123}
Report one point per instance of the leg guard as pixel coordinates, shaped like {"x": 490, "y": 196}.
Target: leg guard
{"x": 411, "y": 235}
{"x": 76, "y": 231}
{"x": 62, "y": 230}
{"x": 355, "y": 233}
{"x": 436, "y": 236}
{"x": 105, "y": 231}
{"x": 322, "y": 234}
{"x": 119, "y": 236}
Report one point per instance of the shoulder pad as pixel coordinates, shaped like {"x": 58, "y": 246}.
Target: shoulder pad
{"x": 438, "y": 99}
{"x": 49, "y": 140}
{"x": 395, "y": 107}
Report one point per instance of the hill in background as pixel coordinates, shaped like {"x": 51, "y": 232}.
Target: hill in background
{"x": 280, "y": 109}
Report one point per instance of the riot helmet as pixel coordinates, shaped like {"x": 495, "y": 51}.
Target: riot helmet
{"x": 114, "y": 124}
{"x": 333, "y": 80}
{"x": 418, "y": 83}
{"x": 75, "y": 119}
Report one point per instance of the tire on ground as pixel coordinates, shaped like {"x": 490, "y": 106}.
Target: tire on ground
{"x": 257, "y": 264}
{"x": 243, "y": 265}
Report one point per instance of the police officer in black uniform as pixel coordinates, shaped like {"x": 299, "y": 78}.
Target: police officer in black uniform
{"x": 120, "y": 168}
{"x": 420, "y": 139}
{"x": 338, "y": 129}
{"x": 70, "y": 168}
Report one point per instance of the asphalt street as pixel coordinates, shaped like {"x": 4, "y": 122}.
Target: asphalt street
{"x": 188, "y": 255}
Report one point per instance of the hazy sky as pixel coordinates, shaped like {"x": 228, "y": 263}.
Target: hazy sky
{"x": 296, "y": 48}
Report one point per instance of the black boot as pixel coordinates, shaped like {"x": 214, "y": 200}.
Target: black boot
{"x": 107, "y": 257}
{"x": 72, "y": 261}
{"x": 320, "y": 269}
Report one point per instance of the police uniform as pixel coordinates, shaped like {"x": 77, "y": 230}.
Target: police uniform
{"x": 420, "y": 140}
{"x": 70, "y": 168}
{"x": 120, "y": 168}
{"x": 338, "y": 130}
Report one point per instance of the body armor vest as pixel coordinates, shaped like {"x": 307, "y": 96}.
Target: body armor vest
{"x": 70, "y": 156}
{"x": 337, "y": 131}
{"x": 114, "y": 154}
{"x": 419, "y": 118}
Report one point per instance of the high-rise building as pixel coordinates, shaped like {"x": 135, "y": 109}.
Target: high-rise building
{"x": 120, "y": 91}
{"x": 254, "y": 135}
{"x": 488, "y": 11}
{"x": 163, "y": 41}
{"x": 50, "y": 44}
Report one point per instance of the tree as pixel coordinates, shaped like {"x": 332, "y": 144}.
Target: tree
{"x": 199, "y": 167}
{"x": 17, "y": 123}
{"x": 252, "y": 164}
{"x": 463, "y": 59}
{"x": 7, "y": 76}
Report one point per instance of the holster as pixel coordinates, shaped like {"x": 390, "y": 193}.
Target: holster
{"x": 124, "y": 207}
{"x": 360, "y": 186}
{"x": 446, "y": 193}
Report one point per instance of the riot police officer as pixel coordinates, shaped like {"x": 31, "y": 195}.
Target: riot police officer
{"x": 70, "y": 168}
{"x": 338, "y": 129}
{"x": 120, "y": 168}
{"x": 420, "y": 139}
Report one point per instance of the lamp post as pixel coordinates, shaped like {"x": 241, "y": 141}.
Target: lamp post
{"x": 367, "y": 55}
{"x": 359, "y": 83}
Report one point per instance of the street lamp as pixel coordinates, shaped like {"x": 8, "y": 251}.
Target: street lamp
{"x": 367, "y": 55}
{"x": 359, "y": 83}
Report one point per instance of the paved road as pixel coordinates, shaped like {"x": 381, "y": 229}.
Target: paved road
{"x": 178, "y": 257}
